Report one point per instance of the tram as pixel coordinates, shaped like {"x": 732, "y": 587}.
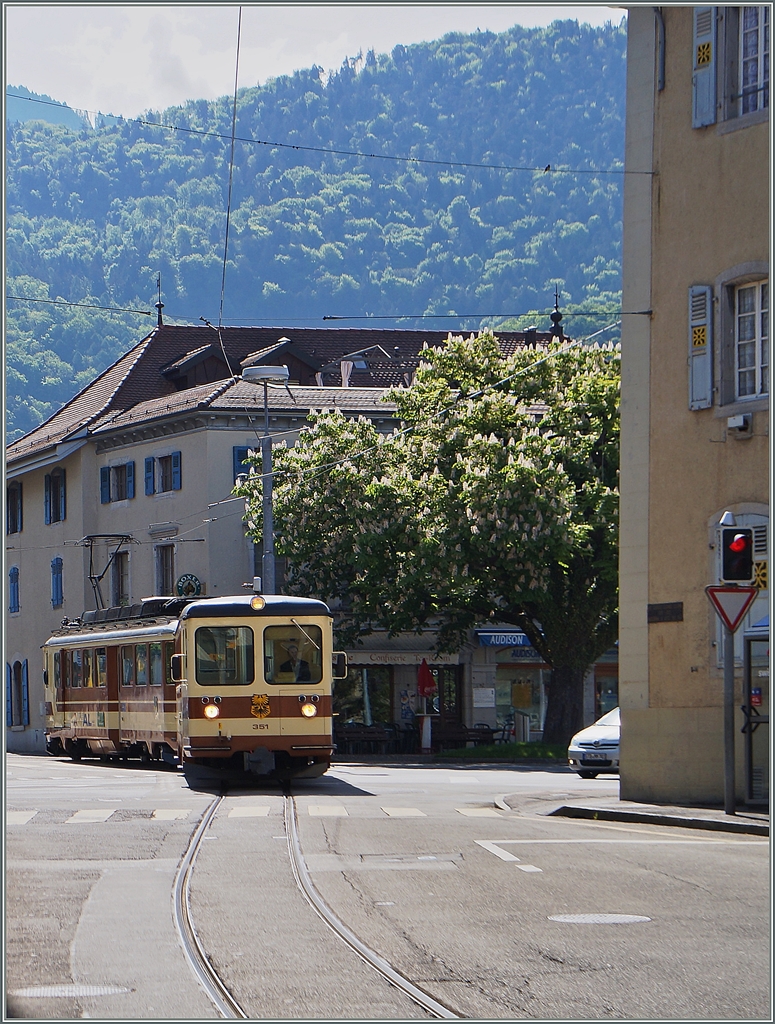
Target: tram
{"x": 239, "y": 682}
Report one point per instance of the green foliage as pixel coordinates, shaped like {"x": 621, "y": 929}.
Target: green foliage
{"x": 94, "y": 215}
{"x": 497, "y": 501}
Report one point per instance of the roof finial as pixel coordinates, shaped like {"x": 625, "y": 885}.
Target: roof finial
{"x": 556, "y": 317}
{"x": 159, "y": 305}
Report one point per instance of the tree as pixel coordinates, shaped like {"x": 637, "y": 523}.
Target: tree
{"x": 496, "y": 501}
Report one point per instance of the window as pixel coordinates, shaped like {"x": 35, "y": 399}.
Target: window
{"x": 101, "y": 666}
{"x": 156, "y": 664}
{"x": 165, "y": 569}
{"x": 117, "y": 483}
{"x": 751, "y": 340}
{"x": 163, "y": 473}
{"x": 13, "y": 508}
{"x": 293, "y": 655}
{"x": 224, "y": 656}
{"x": 17, "y": 699}
{"x": 87, "y": 661}
{"x": 120, "y": 580}
{"x": 55, "y": 508}
{"x": 754, "y": 58}
{"x": 239, "y": 459}
{"x": 128, "y": 666}
{"x": 141, "y": 665}
{"x": 76, "y": 674}
{"x": 13, "y": 589}
{"x": 57, "y": 589}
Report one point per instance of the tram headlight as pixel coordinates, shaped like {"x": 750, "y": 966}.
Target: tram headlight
{"x": 308, "y": 710}
{"x": 212, "y": 711}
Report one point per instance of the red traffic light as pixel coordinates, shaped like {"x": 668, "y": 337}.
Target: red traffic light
{"x": 737, "y": 555}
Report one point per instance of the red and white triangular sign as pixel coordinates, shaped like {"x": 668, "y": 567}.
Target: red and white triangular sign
{"x": 731, "y": 603}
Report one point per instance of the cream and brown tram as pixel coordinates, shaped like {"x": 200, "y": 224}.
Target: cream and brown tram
{"x": 240, "y": 682}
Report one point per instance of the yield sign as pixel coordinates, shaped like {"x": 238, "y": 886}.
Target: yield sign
{"x": 731, "y": 603}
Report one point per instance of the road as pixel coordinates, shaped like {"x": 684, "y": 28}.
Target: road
{"x": 476, "y": 904}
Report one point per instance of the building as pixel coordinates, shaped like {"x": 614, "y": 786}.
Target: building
{"x": 126, "y": 491}
{"x": 695, "y": 387}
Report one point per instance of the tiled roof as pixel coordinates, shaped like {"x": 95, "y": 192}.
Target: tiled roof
{"x": 134, "y": 387}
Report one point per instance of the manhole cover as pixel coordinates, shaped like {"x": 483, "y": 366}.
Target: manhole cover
{"x": 598, "y": 918}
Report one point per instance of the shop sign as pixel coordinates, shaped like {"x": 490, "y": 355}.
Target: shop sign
{"x": 511, "y": 638}
{"x": 399, "y": 658}
{"x": 188, "y": 586}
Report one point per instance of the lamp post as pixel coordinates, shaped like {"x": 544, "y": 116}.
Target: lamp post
{"x": 267, "y": 375}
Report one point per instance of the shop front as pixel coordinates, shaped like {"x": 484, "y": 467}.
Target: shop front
{"x": 756, "y": 711}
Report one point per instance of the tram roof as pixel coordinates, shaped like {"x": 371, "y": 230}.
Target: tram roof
{"x": 241, "y": 605}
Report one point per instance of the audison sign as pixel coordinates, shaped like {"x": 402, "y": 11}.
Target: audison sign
{"x": 502, "y": 638}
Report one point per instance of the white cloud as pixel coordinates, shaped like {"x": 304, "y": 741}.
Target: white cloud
{"x": 125, "y": 59}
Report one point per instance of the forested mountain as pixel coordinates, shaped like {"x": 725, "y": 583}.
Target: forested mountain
{"x": 94, "y": 215}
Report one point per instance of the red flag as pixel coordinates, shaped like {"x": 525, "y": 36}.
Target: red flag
{"x": 426, "y": 684}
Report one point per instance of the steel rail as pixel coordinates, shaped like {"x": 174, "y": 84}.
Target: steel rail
{"x": 367, "y": 954}
{"x": 217, "y": 992}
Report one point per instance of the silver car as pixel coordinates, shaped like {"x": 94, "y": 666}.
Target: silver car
{"x": 595, "y": 750}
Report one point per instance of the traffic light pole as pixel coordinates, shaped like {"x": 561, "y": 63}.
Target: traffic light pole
{"x": 729, "y": 721}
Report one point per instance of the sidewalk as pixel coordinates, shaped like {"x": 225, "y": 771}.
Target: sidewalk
{"x": 610, "y": 808}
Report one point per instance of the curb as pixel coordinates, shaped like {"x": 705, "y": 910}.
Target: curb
{"x": 712, "y": 824}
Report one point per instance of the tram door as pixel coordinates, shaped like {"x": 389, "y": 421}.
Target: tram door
{"x": 756, "y": 708}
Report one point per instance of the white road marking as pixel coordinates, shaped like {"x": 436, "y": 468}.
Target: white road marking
{"x": 98, "y": 815}
{"x": 248, "y": 812}
{"x": 639, "y": 842}
{"x": 404, "y": 812}
{"x": 169, "y": 814}
{"x": 326, "y": 811}
{"x": 19, "y": 817}
{"x": 492, "y": 846}
{"x": 529, "y": 867}
{"x": 479, "y": 812}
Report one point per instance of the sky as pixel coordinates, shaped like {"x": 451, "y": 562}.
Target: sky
{"x": 126, "y": 59}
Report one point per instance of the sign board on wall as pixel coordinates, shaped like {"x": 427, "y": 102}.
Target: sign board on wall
{"x": 484, "y": 696}
{"x": 356, "y": 657}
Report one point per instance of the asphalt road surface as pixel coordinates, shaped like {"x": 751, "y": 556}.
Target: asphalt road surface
{"x": 496, "y": 914}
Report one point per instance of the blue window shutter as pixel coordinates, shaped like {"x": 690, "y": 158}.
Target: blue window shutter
{"x": 25, "y": 693}
{"x": 105, "y": 485}
{"x": 176, "y": 471}
{"x": 47, "y": 499}
{"x": 149, "y": 471}
{"x": 57, "y": 588}
{"x": 130, "y": 479}
{"x": 239, "y": 456}
{"x": 704, "y": 67}
{"x": 700, "y": 346}
{"x": 19, "y": 508}
{"x": 13, "y": 580}
{"x": 62, "y": 498}
{"x": 8, "y": 695}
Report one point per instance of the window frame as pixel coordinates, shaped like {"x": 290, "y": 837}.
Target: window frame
{"x": 761, "y": 90}
{"x": 165, "y": 570}
{"x": 14, "y": 508}
{"x": 119, "y": 580}
{"x": 759, "y": 314}
{"x": 726, "y": 402}
{"x": 55, "y": 496}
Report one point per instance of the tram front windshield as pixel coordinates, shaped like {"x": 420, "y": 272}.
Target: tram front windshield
{"x": 224, "y": 656}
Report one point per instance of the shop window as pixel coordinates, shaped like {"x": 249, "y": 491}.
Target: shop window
{"x": 57, "y": 587}
{"x": 365, "y": 696}
{"x": 13, "y": 508}
{"x": 54, "y": 497}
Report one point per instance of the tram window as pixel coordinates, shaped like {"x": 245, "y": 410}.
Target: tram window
{"x": 155, "y": 664}
{"x": 77, "y": 665}
{"x": 141, "y": 664}
{"x": 57, "y": 669}
{"x": 293, "y": 655}
{"x": 87, "y": 668}
{"x": 101, "y": 666}
{"x": 224, "y": 655}
{"x": 128, "y": 666}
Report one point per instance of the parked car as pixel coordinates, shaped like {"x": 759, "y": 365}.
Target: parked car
{"x": 595, "y": 750}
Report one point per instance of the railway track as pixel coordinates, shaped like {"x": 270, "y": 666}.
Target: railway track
{"x": 199, "y": 961}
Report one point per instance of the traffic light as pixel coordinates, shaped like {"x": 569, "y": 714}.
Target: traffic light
{"x": 737, "y": 555}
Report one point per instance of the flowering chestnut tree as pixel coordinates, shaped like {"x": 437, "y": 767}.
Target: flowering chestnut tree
{"x": 496, "y": 502}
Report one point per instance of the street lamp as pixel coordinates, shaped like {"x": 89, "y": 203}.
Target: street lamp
{"x": 267, "y": 375}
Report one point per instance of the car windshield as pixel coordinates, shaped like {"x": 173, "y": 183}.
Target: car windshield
{"x": 612, "y": 718}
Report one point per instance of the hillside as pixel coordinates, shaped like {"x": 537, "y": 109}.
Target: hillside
{"x": 94, "y": 215}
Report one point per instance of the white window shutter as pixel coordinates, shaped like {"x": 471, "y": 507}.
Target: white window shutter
{"x": 700, "y": 346}
{"x": 704, "y": 67}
